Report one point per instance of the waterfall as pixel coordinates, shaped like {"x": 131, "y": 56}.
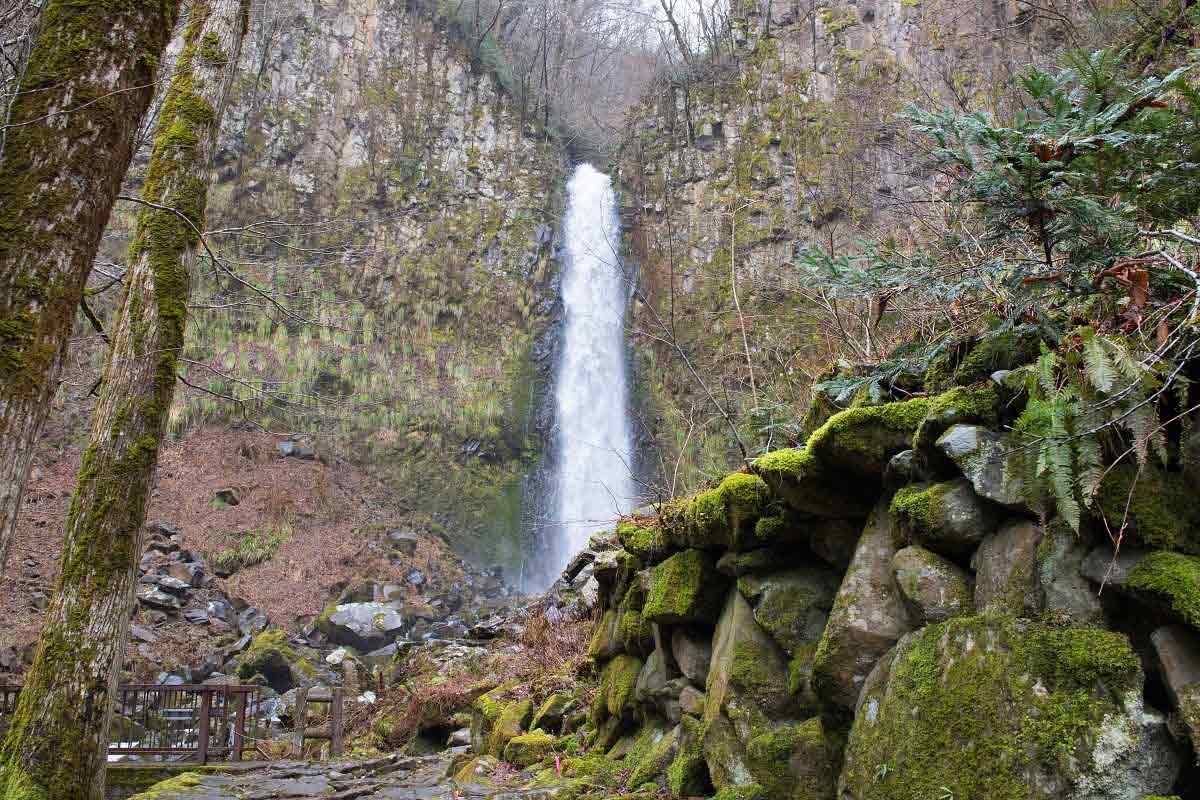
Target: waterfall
{"x": 593, "y": 482}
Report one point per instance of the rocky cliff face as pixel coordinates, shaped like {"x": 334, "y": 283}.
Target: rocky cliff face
{"x": 728, "y": 168}
{"x": 376, "y": 180}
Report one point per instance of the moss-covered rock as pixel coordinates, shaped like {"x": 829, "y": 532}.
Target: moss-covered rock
{"x": 748, "y": 676}
{"x": 686, "y": 588}
{"x": 998, "y": 351}
{"x": 993, "y": 707}
{"x": 528, "y": 749}
{"x": 1066, "y": 595}
{"x": 1163, "y": 510}
{"x": 869, "y": 615}
{"x": 270, "y": 656}
{"x": 644, "y": 538}
{"x": 1005, "y": 566}
{"x": 793, "y": 760}
{"x": 687, "y": 776}
{"x": 810, "y": 487}
{"x": 1171, "y": 582}
{"x": 793, "y": 605}
{"x": 720, "y": 518}
{"x": 962, "y": 404}
{"x": 654, "y": 753}
{"x": 509, "y": 723}
{"x": 619, "y": 681}
{"x": 947, "y": 518}
{"x": 935, "y": 588}
{"x": 861, "y": 441}
{"x": 550, "y": 714}
{"x": 634, "y": 631}
{"x": 606, "y": 641}
{"x": 485, "y": 711}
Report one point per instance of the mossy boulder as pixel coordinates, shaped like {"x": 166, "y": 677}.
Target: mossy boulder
{"x": 986, "y": 459}
{"x": 1177, "y": 656}
{"x": 1005, "y": 566}
{"x": 1163, "y": 510}
{"x": 619, "y": 683}
{"x": 935, "y": 588}
{"x": 485, "y": 711}
{"x": 962, "y": 404}
{"x": 509, "y": 723}
{"x": 947, "y": 518}
{"x": 551, "y": 713}
{"x": 634, "y": 631}
{"x": 606, "y": 641}
{"x": 528, "y": 749}
{"x": 810, "y": 487}
{"x": 994, "y": 351}
{"x": 270, "y": 656}
{"x": 1066, "y": 594}
{"x": 1170, "y": 582}
{"x": 869, "y": 616}
{"x": 793, "y": 605}
{"x": 861, "y": 441}
{"x": 686, "y": 588}
{"x": 644, "y": 538}
{"x": 656, "y": 749}
{"x": 723, "y": 518}
{"x": 991, "y": 707}
{"x": 794, "y": 760}
{"x": 748, "y": 676}
{"x": 687, "y": 776}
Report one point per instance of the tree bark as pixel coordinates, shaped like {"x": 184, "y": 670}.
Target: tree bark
{"x": 56, "y": 745}
{"x": 71, "y": 128}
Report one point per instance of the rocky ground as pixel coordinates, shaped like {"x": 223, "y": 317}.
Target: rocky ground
{"x": 392, "y": 777}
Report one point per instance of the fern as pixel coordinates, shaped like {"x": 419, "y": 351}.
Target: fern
{"x": 1079, "y": 402}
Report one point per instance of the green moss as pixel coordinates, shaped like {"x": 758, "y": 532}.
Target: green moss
{"x": 509, "y": 724}
{"x": 685, "y": 588}
{"x": 688, "y": 774}
{"x": 1004, "y": 350}
{"x": 861, "y": 440}
{"x": 772, "y": 755}
{"x": 723, "y": 517}
{"x": 962, "y": 404}
{"x": 916, "y": 507}
{"x": 620, "y": 679}
{"x": 769, "y": 530}
{"x": 187, "y": 780}
{"x": 1170, "y": 581}
{"x": 602, "y": 641}
{"x": 528, "y": 748}
{"x": 980, "y": 705}
{"x": 1163, "y": 509}
{"x": 645, "y": 539}
{"x": 749, "y": 791}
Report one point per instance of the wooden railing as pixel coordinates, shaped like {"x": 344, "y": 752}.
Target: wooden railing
{"x": 182, "y": 722}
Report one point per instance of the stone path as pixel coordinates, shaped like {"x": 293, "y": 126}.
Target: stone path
{"x": 392, "y": 777}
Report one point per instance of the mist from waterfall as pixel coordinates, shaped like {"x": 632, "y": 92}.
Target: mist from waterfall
{"x": 593, "y": 481}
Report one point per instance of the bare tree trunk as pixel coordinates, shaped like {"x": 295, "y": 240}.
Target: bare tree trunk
{"x": 56, "y": 745}
{"x": 87, "y": 83}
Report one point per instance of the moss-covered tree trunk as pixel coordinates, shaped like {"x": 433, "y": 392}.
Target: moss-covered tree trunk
{"x": 55, "y": 748}
{"x": 70, "y": 137}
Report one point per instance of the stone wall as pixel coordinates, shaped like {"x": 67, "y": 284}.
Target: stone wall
{"x": 879, "y": 614}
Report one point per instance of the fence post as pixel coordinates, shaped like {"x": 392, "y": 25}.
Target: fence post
{"x": 202, "y": 726}
{"x": 300, "y": 719}
{"x": 239, "y": 728}
{"x": 335, "y": 721}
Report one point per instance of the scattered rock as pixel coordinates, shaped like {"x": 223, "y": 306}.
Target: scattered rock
{"x": 983, "y": 456}
{"x": 363, "y": 626}
{"x": 693, "y": 653}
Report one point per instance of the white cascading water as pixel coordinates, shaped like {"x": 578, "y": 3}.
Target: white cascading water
{"x": 593, "y": 482}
